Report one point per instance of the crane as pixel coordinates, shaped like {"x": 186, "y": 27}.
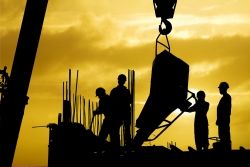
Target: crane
{"x": 169, "y": 82}
{"x": 14, "y": 94}
{"x": 164, "y": 10}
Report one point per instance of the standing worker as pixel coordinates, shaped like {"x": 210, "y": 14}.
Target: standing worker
{"x": 200, "y": 121}
{"x": 223, "y": 117}
{"x": 4, "y": 76}
{"x": 104, "y": 108}
{"x": 120, "y": 101}
{"x": 3, "y": 82}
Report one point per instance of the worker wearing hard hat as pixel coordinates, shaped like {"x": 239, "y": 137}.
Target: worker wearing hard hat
{"x": 223, "y": 117}
{"x": 104, "y": 108}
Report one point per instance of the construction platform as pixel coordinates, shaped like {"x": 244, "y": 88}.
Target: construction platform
{"x": 73, "y": 145}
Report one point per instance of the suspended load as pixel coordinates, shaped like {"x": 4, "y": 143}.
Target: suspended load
{"x": 168, "y": 91}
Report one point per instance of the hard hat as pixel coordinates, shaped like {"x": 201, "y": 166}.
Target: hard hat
{"x": 223, "y": 85}
{"x": 99, "y": 91}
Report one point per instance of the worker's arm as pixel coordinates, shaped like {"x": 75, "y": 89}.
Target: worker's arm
{"x": 97, "y": 111}
{"x": 192, "y": 108}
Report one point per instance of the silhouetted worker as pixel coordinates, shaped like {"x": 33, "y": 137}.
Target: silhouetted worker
{"x": 121, "y": 100}
{"x": 200, "y": 121}
{"x": 223, "y": 117}
{"x": 4, "y": 76}
{"x": 104, "y": 108}
{"x": 3, "y": 82}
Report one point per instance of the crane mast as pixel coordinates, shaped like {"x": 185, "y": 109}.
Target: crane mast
{"x": 15, "y": 96}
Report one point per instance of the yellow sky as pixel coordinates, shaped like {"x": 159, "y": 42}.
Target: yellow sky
{"x": 102, "y": 38}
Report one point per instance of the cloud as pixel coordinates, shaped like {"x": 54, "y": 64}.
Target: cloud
{"x": 242, "y": 87}
{"x": 241, "y": 94}
{"x": 78, "y": 47}
{"x": 204, "y": 68}
{"x": 191, "y": 26}
{"x": 223, "y": 19}
{"x": 10, "y": 12}
{"x": 212, "y": 7}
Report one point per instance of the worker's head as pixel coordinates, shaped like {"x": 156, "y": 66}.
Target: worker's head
{"x": 201, "y": 95}
{"x": 100, "y": 92}
{"x": 223, "y": 86}
{"x": 122, "y": 79}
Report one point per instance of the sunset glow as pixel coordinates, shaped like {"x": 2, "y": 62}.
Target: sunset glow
{"x": 102, "y": 38}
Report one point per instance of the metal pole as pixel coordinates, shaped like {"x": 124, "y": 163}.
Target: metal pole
{"x": 76, "y": 95}
{"x": 73, "y": 118}
{"x": 13, "y": 104}
{"x": 63, "y": 91}
{"x": 77, "y": 98}
{"x": 70, "y": 93}
{"x": 66, "y": 90}
{"x": 92, "y": 109}
{"x": 89, "y": 116}
{"x": 133, "y": 104}
{"x": 80, "y": 109}
{"x": 84, "y": 113}
{"x": 97, "y": 126}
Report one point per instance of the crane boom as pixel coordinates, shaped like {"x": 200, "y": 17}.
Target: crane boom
{"x": 15, "y": 99}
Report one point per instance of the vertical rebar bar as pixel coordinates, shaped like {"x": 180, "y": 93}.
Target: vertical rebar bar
{"x": 66, "y": 90}
{"x": 80, "y": 111}
{"x": 75, "y": 107}
{"x": 63, "y": 92}
{"x": 97, "y": 126}
{"x": 89, "y": 114}
{"x": 94, "y": 121}
{"x": 70, "y": 88}
{"x": 133, "y": 105}
{"x": 84, "y": 114}
{"x": 73, "y": 118}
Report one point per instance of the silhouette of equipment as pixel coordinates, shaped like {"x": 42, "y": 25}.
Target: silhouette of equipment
{"x": 15, "y": 98}
{"x": 169, "y": 82}
{"x": 168, "y": 92}
{"x": 165, "y": 10}
{"x": 71, "y": 144}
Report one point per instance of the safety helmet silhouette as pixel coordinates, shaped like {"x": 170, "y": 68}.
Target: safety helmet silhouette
{"x": 201, "y": 94}
{"x": 122, "y": 78}
{"x": 100, "y": 91}
{"x": 224, "y": 85}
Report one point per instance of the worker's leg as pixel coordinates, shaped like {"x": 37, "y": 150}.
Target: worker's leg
{"x": 115, "y": 132}
{"x": 225, "y": 138}
{"x": 104, "y": 130}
